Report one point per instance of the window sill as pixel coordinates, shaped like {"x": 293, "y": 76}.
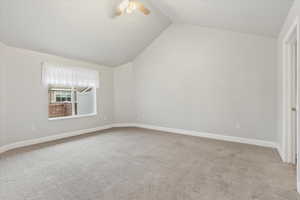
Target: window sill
{"x": 72, "y": 117}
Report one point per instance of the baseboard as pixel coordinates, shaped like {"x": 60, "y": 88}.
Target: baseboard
{"x": 279, "y": 150}
{"x": 138, "y": 125}
{"x": 262, "y": 143}
{"x": 51, "y": 138}
{"x": 123, "y": 125}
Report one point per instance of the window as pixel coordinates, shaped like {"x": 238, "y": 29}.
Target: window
{"x": 71, "y": 91}
{"x": 60, "y": 95}
{"x": 69, "y": 101}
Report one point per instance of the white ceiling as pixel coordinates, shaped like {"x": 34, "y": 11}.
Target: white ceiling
{"x": 86, "y": 30}
{"x": 80, "y": 29}
{"x": 263, "y": 17}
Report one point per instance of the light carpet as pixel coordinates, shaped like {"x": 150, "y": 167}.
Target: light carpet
{"x": 139, "y": 164}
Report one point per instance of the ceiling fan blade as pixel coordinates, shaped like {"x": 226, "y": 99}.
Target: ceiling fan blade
{"x": 118, "y": 12}
{"x": 142, "y": 8}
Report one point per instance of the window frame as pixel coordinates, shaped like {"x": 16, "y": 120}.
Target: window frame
{"x": 63, "y": 90}
{"x": 73, "y": 116}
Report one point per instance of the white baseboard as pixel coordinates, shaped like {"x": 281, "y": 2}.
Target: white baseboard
{"x": 123, "y": 125}
{"x": 51, "y": 138}
{"x": 158, "y": 128}
{"x": 279, "y": 150}
{"x": 262, "y": 143}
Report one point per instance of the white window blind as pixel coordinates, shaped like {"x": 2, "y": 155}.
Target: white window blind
{"x": 54, "y": 74}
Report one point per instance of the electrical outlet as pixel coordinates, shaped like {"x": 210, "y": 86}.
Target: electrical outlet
{"x": 33, "y": 127}
{"x": 237, "y": 125}
{"x": 141, "y": 116}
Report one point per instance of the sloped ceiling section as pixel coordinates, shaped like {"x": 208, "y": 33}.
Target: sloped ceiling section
{"x": 79, "y": 29}
{"x": 262, "y": 17}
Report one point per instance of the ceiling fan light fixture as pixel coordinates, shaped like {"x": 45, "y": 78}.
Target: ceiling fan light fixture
{"x": 129, "y": 6}
{"x": 129, "y": 11}
{"x": 132, "y": 5}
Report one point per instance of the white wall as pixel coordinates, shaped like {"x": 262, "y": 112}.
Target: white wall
{"x": 291, "y": 18}
{"x": 208, "y": 80}
{"x": 191, "y": 78}
{"x": 124, "y": 96}
{"x": 2, "y": 94}
{"x": 26, "y": 99}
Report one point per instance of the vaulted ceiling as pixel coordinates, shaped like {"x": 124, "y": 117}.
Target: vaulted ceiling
{"x": 263, "y": 17}
{"x": 87, "y": 30}
{"x": 80, "y": 29}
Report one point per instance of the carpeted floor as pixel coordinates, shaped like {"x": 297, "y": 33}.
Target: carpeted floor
{"x": 138, "y": 164}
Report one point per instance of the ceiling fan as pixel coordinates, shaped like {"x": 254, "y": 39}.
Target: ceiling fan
{"x": 128, "y": 6}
